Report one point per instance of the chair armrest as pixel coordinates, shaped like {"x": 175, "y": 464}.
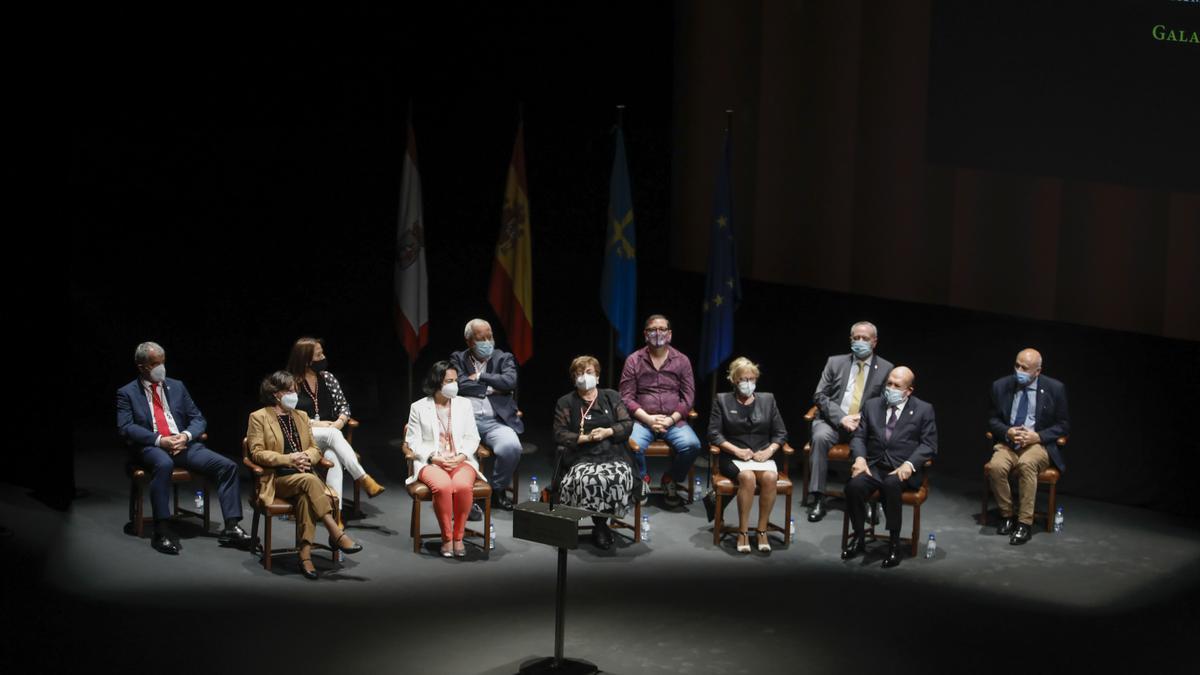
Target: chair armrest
{"x": 256, "y": 469}
{"x": 692, "y": 414}
{"x": 811, "y": 414}
{"x": 325, "y": 464}
{"x": 1062, "y": 440}
{"x": 632, "y": 445}
{"x": 520, "y": 414}
{"x": 483, "y": 452}
{"x": 714, "y": 450}
{"x": 203, "y": 437}
{"x": 352, "y": 423}
{"x": 788, "y": 449}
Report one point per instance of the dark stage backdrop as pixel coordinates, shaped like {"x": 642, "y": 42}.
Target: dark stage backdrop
{"x": 255, "y": 169}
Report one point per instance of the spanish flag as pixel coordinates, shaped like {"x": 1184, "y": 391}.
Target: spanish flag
{"x": 511, "y": 292}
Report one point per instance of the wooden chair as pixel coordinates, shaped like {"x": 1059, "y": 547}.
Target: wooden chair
{"x": 420, "y": 492}
{"x": 660, "y": 448}
{"x": 913, "y": 498}
{"x": 1048, "y": 476}
{"x": 725, "y": 488}
{"x": 839, "y": 452}
{"x": 138, "y": 480}
{"x": 614, "y": 523}
{"x": 280, "y": 507}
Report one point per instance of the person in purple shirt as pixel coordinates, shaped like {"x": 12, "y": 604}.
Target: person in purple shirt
{"x": 658, "y": 389}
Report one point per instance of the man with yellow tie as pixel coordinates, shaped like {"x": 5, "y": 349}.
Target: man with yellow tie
{"x": 846, "y": 383}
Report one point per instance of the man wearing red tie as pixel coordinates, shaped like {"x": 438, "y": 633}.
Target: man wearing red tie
{"x": 897, "y": 435}
{"x": 161, "y": 424}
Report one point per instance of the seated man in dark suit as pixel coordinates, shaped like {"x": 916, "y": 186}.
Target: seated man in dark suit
{"x": 159, "y": 421}
{"x": 487, "y": 377}
{"x": 897, "y": 435}
{"x": 848, "y": 381}
{"x": 1029, "y": 414}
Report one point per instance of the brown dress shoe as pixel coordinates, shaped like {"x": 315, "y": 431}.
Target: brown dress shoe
{"x": 367, "y": 483}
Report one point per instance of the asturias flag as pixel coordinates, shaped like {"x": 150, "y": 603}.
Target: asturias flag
{"x": 723, "y": 290}
{"x": 618, "y": 285}
{"x": 511, "y": 291}
{"x": 411, "y": 283}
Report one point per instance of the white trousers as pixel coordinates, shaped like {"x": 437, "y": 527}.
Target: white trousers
{"x": 333, "y": 445}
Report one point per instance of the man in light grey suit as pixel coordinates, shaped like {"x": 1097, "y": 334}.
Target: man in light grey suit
{"x": 846, "y": 383}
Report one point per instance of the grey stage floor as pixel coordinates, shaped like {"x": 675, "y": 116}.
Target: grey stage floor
{"x": 1117, "y": 588}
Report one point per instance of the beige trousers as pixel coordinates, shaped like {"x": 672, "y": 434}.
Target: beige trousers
{"x": 312, "y": 504}
{"x": 1028, "y": 462}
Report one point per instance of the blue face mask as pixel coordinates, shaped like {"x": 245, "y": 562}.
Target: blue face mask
{"x": 1023, "y": 378}
{"x": 483, "y": 348}
{"x": 861, "y": 348}
{"x": 893, "y": 396}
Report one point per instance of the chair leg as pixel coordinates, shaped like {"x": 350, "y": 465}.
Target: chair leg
{"x": 135, "y": 507}
{"x": 415, "y": 526}
{"x": 692, "y": 485}
{"x": 804, "y": 469}
{"x": 254, "y": 531}
{"x": 266, "y": 559}
{"x": 175, "y": 495}
{"x": 787, "y": 519}
{"x": 845, "y": 527}
{"x": 515, "y": 485}
{"x": 207, "y": 505}
{"x": 718, "y": 522}
{"x": 487, "y": 526}
{"x": 987, "y": 491}
{"x": 637, "y": 521}
{"x": 1051, "y": 509}
{"x": 916, "y": 533}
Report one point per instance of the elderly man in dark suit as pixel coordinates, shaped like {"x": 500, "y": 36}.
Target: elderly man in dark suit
{"x": 1029, "y": 415}
{"x": 848, "y": 381}
{"x": 896, "y": 436}
{"x": 158, "y": 419}
{"x": 487, "y": 377}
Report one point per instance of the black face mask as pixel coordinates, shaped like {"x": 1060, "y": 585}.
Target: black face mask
{"x": 319, "y": 366}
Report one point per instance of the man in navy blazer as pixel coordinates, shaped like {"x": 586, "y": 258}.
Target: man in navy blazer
{"x": 487, "y": 377}
{"x": 162, "y": 425}
{"x": 896, "y": 436}
{"x": 1029, "y": 415}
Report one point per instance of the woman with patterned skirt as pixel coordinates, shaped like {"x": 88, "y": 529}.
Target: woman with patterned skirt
{"x": 591, "y": 427}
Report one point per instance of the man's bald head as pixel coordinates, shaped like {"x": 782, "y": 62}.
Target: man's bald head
{"x": 901, "y": 378}
{"x": 1029, "y": 361}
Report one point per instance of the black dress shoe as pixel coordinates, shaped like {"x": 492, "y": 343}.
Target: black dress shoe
{"x": 1006, "y": 526}
{"x": 163, "y": 544}
{"x": 335, "y": 545}
{"x": 855, "y": 545}
{"x": 501, "y": 501}
{"x": 603, "y": 537}
{"x": 817, "y": 511}
{"x": 233, "y": 535}
{"x": 893, "y": 556}
{"x": 1020, "y": 535}
{"x": 311, "y": 575}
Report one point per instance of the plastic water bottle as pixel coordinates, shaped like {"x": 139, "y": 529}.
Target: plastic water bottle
{"x": 199, "y": 499}
{"x": 534, "y": 493}
{"x": 1058, "y": 520}
{"x": 792, "y": 526}
{"x": 645, "y": 528}
{"x": 492, "y": 536}
{"x": 931, "y": 547}
{"x": 698, "y": 493}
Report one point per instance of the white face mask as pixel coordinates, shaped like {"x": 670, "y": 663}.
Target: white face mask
{"x": 289, "y": 400}
{"x": 746, "y": 387}
{"x": 158, "y": 373}
{"x": 450, "y": 389}
{"x": 586, "y": 382}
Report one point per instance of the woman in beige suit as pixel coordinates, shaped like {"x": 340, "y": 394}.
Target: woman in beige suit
{"x": 280, "y": 439}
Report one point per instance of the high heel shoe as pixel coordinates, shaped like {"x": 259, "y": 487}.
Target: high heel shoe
{"x": 309, "y": 569}
{"x": 447, "y": 550}
{"x": 335, "y": 544}
{"x": 367, "y": 483}
{"x": 764, "y": 543}
{"x": 460, "y": 549}
{"x": 743, "y": 548}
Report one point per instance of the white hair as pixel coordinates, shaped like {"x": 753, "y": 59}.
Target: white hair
{"x": 469, "y": 330}
{"x": 874, "y": 330}
{"x": 145, "y": 350}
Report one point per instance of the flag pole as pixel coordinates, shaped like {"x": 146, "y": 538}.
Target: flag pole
{"x": 728, "y": 133}
{"x": 612, "y": 331}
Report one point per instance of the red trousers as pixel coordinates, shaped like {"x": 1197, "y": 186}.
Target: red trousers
{"x": 451, "y": 497}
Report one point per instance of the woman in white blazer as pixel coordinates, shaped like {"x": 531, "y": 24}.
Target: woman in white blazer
{"x": 442, "y": 436}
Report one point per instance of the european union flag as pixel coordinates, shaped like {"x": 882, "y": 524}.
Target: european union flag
{"x": 618, "y": 286}
{"x": 723, "y": 290}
